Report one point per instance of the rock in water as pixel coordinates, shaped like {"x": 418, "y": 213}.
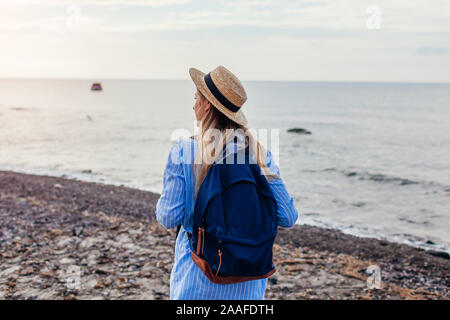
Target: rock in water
{"x": 440, "y": 254}
{"x": 299, "y": 130}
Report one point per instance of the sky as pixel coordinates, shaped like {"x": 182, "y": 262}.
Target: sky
{"x": 324, "y": 40}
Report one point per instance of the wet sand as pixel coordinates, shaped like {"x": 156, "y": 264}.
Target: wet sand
{"x": 66, "y": 239}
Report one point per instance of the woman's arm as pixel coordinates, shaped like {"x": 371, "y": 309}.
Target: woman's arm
{"x": 287, "y": 212}
{"x": 170, "y": 207}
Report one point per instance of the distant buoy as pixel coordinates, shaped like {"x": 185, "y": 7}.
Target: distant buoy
{"x": 96, "y": 87}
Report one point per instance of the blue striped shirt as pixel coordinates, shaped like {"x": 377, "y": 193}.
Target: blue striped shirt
{"x": 176, "y": 205}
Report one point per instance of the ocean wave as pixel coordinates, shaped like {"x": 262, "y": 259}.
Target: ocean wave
{"x": 315, "y": 219}
{"x": 384, "y": 178}
{"x": 379, "y": 177}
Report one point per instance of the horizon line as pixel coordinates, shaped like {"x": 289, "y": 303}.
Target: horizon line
{"x": 244, "y": 80}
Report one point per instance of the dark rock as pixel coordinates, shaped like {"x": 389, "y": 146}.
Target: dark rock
{"x": 299, "y": 130}
{"x": 102, "y": 271}
{"x": 440, "y": 254}
{"x": 77, "y": 231}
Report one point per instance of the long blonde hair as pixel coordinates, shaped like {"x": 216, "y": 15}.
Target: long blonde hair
{"x": 215, "y": 124}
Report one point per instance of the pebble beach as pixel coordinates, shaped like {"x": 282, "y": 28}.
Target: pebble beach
{"x": 68, "y": 239}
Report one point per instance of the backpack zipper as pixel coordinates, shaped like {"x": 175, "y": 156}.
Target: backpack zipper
{"x": 219, "y": 252}
{"x": 201, "y": 240}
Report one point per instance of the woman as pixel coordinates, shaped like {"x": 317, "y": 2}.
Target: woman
{"x": 219, "y": 98}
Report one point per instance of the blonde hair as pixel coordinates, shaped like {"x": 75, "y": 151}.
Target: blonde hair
{"x": 216, "y": 130}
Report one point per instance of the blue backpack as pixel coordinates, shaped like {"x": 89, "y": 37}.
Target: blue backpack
{"x": 235, "y": 222}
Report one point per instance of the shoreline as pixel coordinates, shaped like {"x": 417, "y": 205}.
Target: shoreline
{"x": 87, "y": 176}
{"x": 111, "y": 235}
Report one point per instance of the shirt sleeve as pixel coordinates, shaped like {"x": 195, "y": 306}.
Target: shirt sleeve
{"x": 171, "y": 204}
{"x": 287, "y": 212}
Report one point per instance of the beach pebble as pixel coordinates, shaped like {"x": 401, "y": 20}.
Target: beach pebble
{"x": 109, "y": 233}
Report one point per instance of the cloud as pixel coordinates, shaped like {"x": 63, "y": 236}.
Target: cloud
{"x": 247, "y": 5}
{"x": 400, "y": 16}
{"x": 304, "y": 33}
{"x": 148, "y": 3}
{"x": 431, "y": 51}
{"x": 56, "y": 24}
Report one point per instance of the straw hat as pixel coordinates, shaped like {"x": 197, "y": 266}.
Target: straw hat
{"x": 224, "y": 90}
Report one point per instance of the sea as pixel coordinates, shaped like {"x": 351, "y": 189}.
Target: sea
{"x": 375, "y": 164}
